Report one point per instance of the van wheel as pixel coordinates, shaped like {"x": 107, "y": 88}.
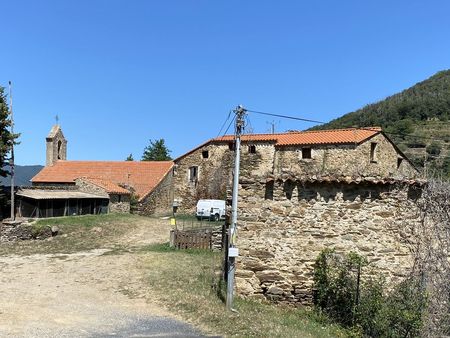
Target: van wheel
{"x": 216, "y": 217}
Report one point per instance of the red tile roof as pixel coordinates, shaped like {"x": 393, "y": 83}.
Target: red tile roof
{"x": 334, "y": 136}
{"x": 142, "y": 176}
{"x": 109, "y": 186}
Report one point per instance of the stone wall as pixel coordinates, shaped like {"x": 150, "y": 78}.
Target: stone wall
{"x": 214, "y": 174}
{"x": 25, "y": 231}
{"x": 53, "y": 186}
{"x": 285, "y": 224}
{"x": 346, "y": 160}
{"x": 91, "y": 188}
{"x": 159, "y": 200}
{"x": 119, "y": 203}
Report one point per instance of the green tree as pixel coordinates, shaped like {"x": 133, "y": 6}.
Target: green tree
{"x": 6, "y": 138}
{"x": 129, "y": 158}
{"x": 156, "y": 151}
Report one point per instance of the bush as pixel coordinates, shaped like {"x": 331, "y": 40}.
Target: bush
{"x": 397, "y": 314}
{"x": 336, "y": 285}
{"x": 365, "y": 306}
{"x": 433, "y": 149}
{"x": 405, "y": 126}
{"x": 416, "y": 144}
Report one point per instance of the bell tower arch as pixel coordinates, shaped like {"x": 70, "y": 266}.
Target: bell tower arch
{"x": 56, "y": 145}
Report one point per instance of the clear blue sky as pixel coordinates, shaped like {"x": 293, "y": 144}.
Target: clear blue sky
{"x": 119, "y": 73}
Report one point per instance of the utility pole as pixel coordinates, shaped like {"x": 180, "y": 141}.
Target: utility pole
{"x": 11, "y": 162}
{"x": 232, "y": 232}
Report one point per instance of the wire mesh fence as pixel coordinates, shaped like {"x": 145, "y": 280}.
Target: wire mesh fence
{"x": 186, "y": 223}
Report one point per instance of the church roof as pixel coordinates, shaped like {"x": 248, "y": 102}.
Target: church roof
{"x": 142, "y": 176}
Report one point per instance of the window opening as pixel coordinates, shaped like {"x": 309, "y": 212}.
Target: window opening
{"x": 205, "y": 154}
{"x": 269, "y": 190}
{"x": 288, "y": 189}
{"x": 193, "y": 173}
{"x": 373, "y": 147}
{"x": 231, "y": 146}
{"x": 399, "y": 162}
{"x": 306, "y": 153}
{"x": 252, "y": 149}
{"x": 59, "y": 149}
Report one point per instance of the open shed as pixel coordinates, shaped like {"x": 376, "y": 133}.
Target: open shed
{"x": 36, "y": 203}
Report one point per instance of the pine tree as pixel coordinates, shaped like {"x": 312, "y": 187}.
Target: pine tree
{"x": 129, "y": 158}
{"x": 156, "y": 151}
{"x": 6, "y": 138}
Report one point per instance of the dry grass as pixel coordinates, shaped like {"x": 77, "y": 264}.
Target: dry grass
{"x": 183, "y": 282}
{"x": 76, "y": 233}
{"x": 180, "y": 280}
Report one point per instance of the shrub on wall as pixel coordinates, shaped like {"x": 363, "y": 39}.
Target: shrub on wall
{"x": 366, "y": 306}
{"x": 336, "y": 284}
{"x": 134, "y": 203}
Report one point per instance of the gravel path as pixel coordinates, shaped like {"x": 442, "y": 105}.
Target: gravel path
{"x": 85, "y": 294}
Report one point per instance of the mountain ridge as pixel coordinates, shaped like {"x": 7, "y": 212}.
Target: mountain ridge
{"x": 23, "y": 175}
{"x": 417, "y": 119}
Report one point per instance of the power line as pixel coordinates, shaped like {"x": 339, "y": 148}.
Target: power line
{"x": 285, "y": 116}
{"x": 321, "y": 122}
{"x": 224, "y": 123}
{"x": 231, "y": 122}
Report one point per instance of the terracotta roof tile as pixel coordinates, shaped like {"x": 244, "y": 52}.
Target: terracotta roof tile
{"x": 334, "y": 136}
{"x": 142, "y": 176}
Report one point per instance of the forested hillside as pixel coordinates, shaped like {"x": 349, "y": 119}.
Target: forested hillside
{"x": 417, "y": 119}
{"x": 23, "y": 175}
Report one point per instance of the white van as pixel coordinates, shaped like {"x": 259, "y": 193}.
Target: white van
{"x": 211, "y": 209}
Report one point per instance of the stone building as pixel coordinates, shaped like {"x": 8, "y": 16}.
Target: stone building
{"x": 301, "y": 192}
{"x": 206, "y": 171}
{"x": 90, "y": 187}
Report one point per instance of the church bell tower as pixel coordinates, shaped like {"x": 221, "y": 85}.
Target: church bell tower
{"x": 56, "y": 145}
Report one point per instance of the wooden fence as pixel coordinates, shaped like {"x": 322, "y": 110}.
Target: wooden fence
{"x": 206, "y": 238}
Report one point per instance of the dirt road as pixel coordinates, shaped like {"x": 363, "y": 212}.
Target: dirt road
{"x": 95, "y": 293}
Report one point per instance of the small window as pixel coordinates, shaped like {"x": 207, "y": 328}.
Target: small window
{"x": 288, "y": 189}
{"x": 373, "y": 147}
{"x": 306, "y": 153}
{"x": 193, "y": 173}
{"x": 205, "y": 154}
{"x": 231, "y": 146}
{"x": 269, "y": 191}
{"x": 59, "y": 149}
{"x": 399, "y": 162}
{"x": 252, "y": 149}
{"x": 119, "y": 198}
